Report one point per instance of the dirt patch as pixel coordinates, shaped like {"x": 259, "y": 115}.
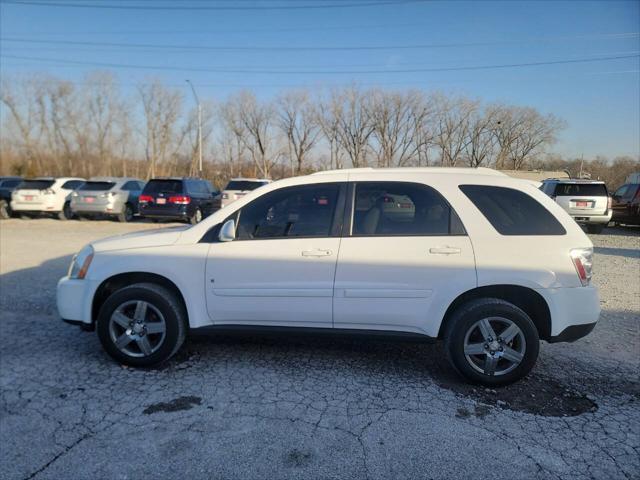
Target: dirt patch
{"x": 175, "y": 405}
{"x": 534, "y": 394}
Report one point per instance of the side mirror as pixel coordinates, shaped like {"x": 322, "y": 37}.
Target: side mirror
{"x": 228, "y": 231}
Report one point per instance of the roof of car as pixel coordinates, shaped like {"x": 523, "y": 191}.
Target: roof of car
{"x": 178, "y": 178}
{"x": 243, "y": 179}
{"x": 430, "y": 170}
{"x": 572, "y": 180}
{"x": 113, "y": 179}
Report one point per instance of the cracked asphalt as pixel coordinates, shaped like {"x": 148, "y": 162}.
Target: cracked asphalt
{"x": 244, "y": 407}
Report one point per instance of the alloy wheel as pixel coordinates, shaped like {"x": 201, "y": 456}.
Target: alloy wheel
{"x": 137, "y": 328}
{"x": 494, "y": 346}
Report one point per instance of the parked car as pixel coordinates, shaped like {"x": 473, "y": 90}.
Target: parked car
{"x": 239, "y": 187}
{"x": 45, "y": 195}
{"x": 487, "y": 263}
{"x": 108, "y": 196}
{"x": 190, "y": 199}
{"x": 7, "y": 185}
{"x": 587, "y": 201}
{"x": 626, "y": 204}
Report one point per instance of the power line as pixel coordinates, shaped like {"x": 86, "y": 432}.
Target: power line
{"x": 307, "y": 48}
{"x": 325, "y": 72}
{"x": 325, "y": 6}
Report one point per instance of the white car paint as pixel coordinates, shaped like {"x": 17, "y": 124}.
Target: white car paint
{"x": 50, "y": 200}
{"x": 400, "y": 284}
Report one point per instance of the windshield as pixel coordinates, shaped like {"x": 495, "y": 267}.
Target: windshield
{"x": 36, "y": 184}
{"x": 165, "y": 186}
{"x": 243, "y": 185}
{"x": 97, "y": 186}
{"x": 582, "y": 189}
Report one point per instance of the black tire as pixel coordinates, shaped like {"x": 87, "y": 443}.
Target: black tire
{"x": 595, "y": 228}
{"x": 5, "y": 210}
{"x": 159, "y": 298}
{"x": 196, "y": 217}
{"x": 65, "y": 213}
{"x": 126, "y": 215}
{"x": 463, "y": 321}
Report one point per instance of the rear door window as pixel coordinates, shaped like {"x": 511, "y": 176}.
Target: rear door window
{"x": 581, "y": 189}
{"x": 512, "y": 212}
{"x": 163, "y": 186}
{"x": 402, "y": 209}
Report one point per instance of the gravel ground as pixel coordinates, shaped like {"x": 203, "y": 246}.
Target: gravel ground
{"x": 269, "y": 407}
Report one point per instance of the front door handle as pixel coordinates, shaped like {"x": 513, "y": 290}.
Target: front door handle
{"x": 445, "y": 250}
{"x": 316, "y": 253}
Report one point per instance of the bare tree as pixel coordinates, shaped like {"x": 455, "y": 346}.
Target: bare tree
{"x": 259, "y": 139}
{"x": 481, "y": 142}
{"x": 328, "y": 114}
{"x": 452, "y": 128}
{"x": 355, "y": 126}
{"x": 162, "y": 108}
{"x": 297, "y": 120}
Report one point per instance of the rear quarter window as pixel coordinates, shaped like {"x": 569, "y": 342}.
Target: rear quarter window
{"x": 512, "y": 212}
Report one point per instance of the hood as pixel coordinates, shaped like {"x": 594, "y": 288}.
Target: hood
{"x": 148, "y": 238}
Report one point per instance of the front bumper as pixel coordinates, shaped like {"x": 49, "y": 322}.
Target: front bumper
{"x": 74, "y": 300}
{"x": 573, "y": 333}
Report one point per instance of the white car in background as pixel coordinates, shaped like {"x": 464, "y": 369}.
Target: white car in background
{"x": 487, "y": 263}
{"x": 45, "y": 195}
{"x": 239, "y": 187}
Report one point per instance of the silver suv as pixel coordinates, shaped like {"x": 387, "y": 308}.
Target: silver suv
{"x": 587, "y": 201}
{"x": 110, "y": 196}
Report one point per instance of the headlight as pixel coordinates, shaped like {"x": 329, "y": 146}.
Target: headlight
{"x": 80, "y": 263}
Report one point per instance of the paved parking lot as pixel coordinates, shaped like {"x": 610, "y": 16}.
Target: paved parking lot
{"x": 269, "y": 407}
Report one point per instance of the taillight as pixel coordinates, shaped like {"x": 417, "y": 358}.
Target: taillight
{"x": 583, "y": 261}
{"x": 48, "y": 191}
{"x": 145, "y": 199}
{"x": 180, "y": 200}
{"x": 225, "y": 196}
{"x": 609, "y": 200}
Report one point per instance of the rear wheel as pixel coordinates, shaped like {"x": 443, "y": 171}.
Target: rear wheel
{"x": 595, "y": 228}
{"x": 126, "y": 215}
{"x": 142, "y": 325}
{"x": 492, "y": 342}
{"x": 5, "y": 209}
{"x": 65, "y": 213}
{"x": 196, "y": 217}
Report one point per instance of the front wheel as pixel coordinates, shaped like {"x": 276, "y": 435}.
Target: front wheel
{"x": 492, "y": 342}
{"x": 5, "y": 210}
{"x": 142, "y": 325}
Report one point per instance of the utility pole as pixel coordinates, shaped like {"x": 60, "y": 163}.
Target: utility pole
{"x": 199, "y": 126}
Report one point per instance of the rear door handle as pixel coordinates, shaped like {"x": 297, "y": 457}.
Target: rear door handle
{"x": 445, "y": 250}
{"x": 316, "y": 253}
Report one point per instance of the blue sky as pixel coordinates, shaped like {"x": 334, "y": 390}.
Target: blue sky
{"x": 600, "y": 100}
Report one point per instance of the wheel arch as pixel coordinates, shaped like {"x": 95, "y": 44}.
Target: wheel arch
{"x": 120, "y": 280}
{"x": 525, "y": 298}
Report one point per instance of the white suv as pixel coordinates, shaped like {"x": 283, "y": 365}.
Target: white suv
{"x": 45, "y": 195}
{"x": 487, "y": 263}
{"x": 239, "y": 187}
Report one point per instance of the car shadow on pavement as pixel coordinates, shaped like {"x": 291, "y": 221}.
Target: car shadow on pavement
{"x": 618, "y": 252}
{"x": 562, "y": 384}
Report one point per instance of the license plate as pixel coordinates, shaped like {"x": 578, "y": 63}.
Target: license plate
{"x": 28, "y": 198}
{"x": 161, "y": 201}
{"x": 582, "y": 204}
{"x": 89, "y": 199}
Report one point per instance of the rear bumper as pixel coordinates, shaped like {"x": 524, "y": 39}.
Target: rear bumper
{"x": 98, "y": 209}
{"x": 178, "y": 212}
{"x": 34, "y": 207}
{"x": 599, "y": 219}
{"x": 573, "y": 333}
{"x": 573, "y": 310}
